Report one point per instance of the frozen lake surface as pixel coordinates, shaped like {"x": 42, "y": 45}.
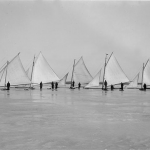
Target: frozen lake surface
{"x": 74, "y": 119}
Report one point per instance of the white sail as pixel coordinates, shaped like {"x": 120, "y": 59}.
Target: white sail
{"x": 62, "y": 82}
{"x": 42, "y": 71}
{"x": 134, "y": 82}
{"x": 113, "y": 72}
{"x": 3, "y": 67}
{"x": 27, "y": 72}
{"x": 146, "y": 73}
{"x": 81, "y": 73}
{"x": 14, "y": 73}
{"x": 95, "y": 81}
{"x": 2, "y": 76}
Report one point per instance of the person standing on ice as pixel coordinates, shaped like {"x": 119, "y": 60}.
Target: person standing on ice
{"x": 8, "y": 85}
{"x": 41, "y": 85}
{"x": 121, "y": 86}
{"x": 112, "y": 87}
{"x": 79, "y": 85}
{"x": 56, "y": 85}
{"x": 73, "y": 84}
{"x": 52, "y": 85}
{"x": 105, "y": 83}
{"x": 144, "y": 86}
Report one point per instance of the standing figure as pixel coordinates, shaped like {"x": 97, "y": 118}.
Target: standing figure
{"x": 41, "y": 85}
{"x": 73, "y": 84}
{"x": 52, "y": 85}
{"x": 105, "y": 83}
{"x": 79, "y": 85}
{"x": 121, "y": 86}
{"x": 56, "y": 85}
{"x": 112, "y": 87}
{"x": 8, "y": 85}
{"x": 144, "y": 86}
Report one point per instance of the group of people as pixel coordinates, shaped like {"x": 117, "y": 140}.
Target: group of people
{"x": 112, "y": 87}
{"x": 53, "y": 85}
{"x": 73, "y": 85}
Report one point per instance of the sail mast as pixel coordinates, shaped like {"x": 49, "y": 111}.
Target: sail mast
{"x": 104, "y": 71}
{"x": 142, "y": 76}
{"x": 72, "y": 72}
{"x": 100, "y": 76}
{"x": 32, "y": 70}
{"x": 143, "y": 72}
{"x": 6, "y": 73}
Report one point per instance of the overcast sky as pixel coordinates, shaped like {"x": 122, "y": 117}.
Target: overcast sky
{"x": 67, "y": 30}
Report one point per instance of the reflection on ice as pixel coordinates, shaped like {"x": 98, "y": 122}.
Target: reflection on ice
{"x": 74, "y": 119}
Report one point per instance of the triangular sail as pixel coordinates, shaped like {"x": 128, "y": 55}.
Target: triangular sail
{"x": 134, "y": 82}
{"x": 27, "y": 72}
{"x": 14, "y": 73}
{"x": 95, "y": 82}
{"x": 146, "y": 73}
{"x": 114, "y": 73}
{"x": 2, "y": 76}
{"x": 42, "y": 71}
{"x": 62, "y": 82}
{"x": 81, "y": 73}
{"x": 3, "y": 67}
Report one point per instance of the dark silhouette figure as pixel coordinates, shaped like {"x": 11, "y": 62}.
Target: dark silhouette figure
{"x": 105, "y": 83}
{"x": 41, "y": 85}
{"x": 56, "y": 85}
{"x": 144, "y": 86}
{"x": 112, "y": 87}
{"x": 121, "y": 86}
{"x": 8, "y": 85}
{"x": 73, "y": 84}
{"x": 79, "y": 85}
{"x": 52, "y": 85}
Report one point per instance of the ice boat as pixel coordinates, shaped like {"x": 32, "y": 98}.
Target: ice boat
{"x": 145, "y": 75}
{"x": 14, "y": 72}
{"x": 80, "y": 73}
{"x": 113, "y": 73}
{"x": 40, "y": 71}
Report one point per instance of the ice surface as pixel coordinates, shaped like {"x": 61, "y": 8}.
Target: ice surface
{"x": 74, "y": 119}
